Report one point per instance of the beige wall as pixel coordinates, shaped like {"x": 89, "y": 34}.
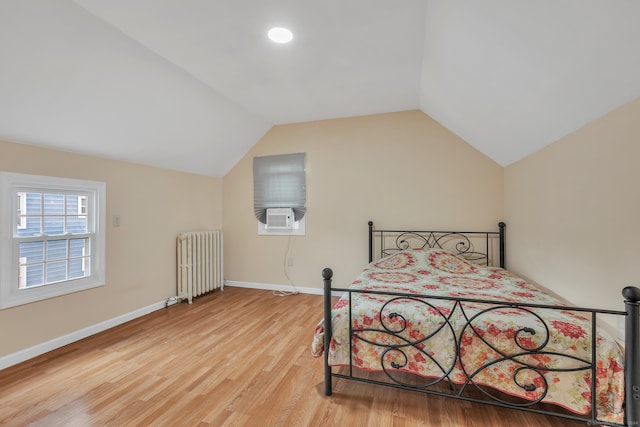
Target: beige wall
{"x": 153, "y": 204}
{"x": 399, "y": 170}
{"x": 573, "y": 211}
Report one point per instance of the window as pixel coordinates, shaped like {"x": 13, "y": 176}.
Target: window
{"x": 56, "y": 240}
{"x": 279, "y": 182}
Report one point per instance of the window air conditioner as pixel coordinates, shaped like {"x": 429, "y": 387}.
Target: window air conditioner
{"x": 279, "y": 219}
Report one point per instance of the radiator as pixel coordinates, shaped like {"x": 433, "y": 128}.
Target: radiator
{"x": 199, "y": 257}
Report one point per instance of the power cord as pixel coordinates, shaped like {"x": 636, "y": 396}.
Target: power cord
{"x": 286, "y": 272}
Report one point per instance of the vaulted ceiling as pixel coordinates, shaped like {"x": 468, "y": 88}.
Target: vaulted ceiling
{"x": 192, "y": 85}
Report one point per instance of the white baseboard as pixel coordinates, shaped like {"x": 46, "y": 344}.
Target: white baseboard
{"x": 270, "y": 287}
{"x": 37, "y": 350}
{"x": 281, "y": 288}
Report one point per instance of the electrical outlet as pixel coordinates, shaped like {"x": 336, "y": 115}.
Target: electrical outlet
{"x": 290, "y": 262}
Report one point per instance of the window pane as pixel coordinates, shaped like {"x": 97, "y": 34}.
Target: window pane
{"x": 76, "y": 268}
{"x": 56, "y": 250}
{"x": 77, "y": 248}
{"x": 35, "y": 275}
{"x": 31, "y": 252}
{"x": 56, "y": 271}
{"x": 72, "y": 204}
{"x": 34, "y": 204}
{"x": 54, "y": 204}
{"x": 76, "y": 224}
{"x": 76, "y": 204}
{"x": 53, "y": 225}
{"x": 33, "y": 227}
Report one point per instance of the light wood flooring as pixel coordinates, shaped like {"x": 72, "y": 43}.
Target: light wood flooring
{"x": 235, "y": 358}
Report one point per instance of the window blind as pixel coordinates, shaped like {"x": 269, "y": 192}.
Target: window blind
{"x": 279, "y": 182}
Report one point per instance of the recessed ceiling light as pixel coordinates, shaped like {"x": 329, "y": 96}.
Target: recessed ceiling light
{"x": 280, "y": 35}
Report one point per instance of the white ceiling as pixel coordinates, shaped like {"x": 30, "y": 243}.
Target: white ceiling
{"x": 192, "y": 85}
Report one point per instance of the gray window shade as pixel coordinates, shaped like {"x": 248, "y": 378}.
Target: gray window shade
{"x": 279, "y": 182}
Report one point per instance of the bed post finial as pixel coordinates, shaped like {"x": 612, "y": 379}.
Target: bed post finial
{"x": 632, "y": 356}
{"x": 327, "y": 275}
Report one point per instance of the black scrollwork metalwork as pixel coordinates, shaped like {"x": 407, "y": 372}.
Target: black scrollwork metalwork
{"x": 524, "y": 355}
{"x": 521, "y": 358}
{"x": 397, "y": 341}
{"x": 457, "y": 243}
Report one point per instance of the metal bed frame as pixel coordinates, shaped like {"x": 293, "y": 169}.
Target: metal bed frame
{"x": 479, "y": 247}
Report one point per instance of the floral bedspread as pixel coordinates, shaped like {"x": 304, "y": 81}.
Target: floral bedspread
{"x": 533, "y": 353}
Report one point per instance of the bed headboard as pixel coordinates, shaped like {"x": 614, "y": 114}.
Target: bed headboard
{"x": 482, "y": 247}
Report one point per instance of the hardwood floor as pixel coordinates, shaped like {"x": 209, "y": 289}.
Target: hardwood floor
{"x": 239, "y": 358}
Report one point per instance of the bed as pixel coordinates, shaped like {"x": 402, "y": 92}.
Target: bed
{"x": 436, "y": 312}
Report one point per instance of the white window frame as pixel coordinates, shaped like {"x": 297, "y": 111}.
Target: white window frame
{"x": 11, "y": 294}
